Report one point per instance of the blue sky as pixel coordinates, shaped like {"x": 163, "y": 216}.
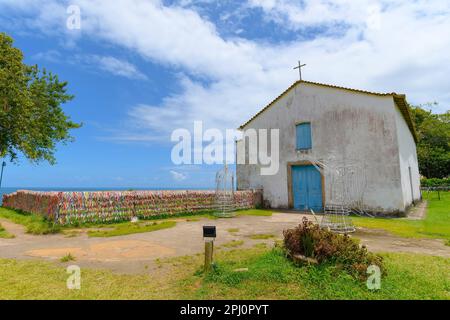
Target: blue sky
{"x": 142, "y": 68}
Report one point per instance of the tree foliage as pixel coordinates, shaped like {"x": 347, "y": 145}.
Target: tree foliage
{"x": 433, "y": 149}
{"x": 32, "y": 121}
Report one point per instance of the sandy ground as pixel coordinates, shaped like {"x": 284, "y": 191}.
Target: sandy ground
{"x": 418, "y": 212}
{"x": 136, "y": 252}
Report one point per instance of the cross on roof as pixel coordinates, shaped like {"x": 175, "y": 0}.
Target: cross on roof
{"x": 299, "y": 67}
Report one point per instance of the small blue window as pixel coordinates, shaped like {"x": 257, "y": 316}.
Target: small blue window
{"x": 303, "y": 131}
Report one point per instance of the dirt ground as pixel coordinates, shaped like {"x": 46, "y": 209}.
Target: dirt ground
{"x": 419, "y": 211}
{"x": 137, "y": 252}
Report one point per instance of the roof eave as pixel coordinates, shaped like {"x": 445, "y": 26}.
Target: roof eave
{"x": 400, "y": 101}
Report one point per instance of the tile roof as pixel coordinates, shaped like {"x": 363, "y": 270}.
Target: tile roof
{"x": 399, "y": 99}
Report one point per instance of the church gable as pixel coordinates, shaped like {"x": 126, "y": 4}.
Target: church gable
{"x": 399, "y": 100}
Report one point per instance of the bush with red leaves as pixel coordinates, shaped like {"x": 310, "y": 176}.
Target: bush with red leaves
{"x": 326, "y": 247}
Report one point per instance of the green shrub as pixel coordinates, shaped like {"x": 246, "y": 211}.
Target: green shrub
{"x": 326, "y": 247}
{"x": 435, "y": 182}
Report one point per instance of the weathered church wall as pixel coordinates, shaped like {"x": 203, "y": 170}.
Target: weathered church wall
{"x": 407, "y": 160}
{"x": 348, "y": 129}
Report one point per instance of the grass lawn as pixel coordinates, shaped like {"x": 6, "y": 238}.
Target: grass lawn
{"x": 33, "y": 223}
{"x": 436, "y": 225}
{"x": 37, "y": 225}
{"x": 255, "y": 212}
{"x": 130, "y": 227}
{"x": 270, "y": 276}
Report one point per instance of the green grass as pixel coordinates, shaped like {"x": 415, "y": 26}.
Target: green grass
{"x": 71, "y": 233}
{"x": 40, "y": 280}
{"x": 194, "y": 219}
{"x": 38, "y": 225}
{"x": 261, "y": 236}
{"x": 255, "y": 212}
{"x": 270, "y": 276}
{"x": 233, "y": 244}
{"x": 436, "y": 224}
{"x": 129, "y": 228}
{"x": 261, "y": 245}
{"x": 5, "y": 234}
{"x": 68, "y": 257}
{"x": 233, "y": 230}
{"x": 34, "y": 224}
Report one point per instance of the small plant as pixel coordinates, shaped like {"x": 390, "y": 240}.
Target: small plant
{"x": 68, "y": 257}
{"x": 308, "y": 244}
{"x": 326, "y": 247}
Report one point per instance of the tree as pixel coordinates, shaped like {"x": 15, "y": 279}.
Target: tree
{"x": 32, "y": 121}
{"x": 433, "y": 148}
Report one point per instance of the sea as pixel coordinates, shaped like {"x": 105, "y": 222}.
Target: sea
{"x": 7, "y": 190}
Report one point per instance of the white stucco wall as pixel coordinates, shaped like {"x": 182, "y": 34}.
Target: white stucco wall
{"x": 407, "y": 159}
{"x": 349, "y": 127}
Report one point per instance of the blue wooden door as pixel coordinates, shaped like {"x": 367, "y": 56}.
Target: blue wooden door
{"x": 307, "y": 188}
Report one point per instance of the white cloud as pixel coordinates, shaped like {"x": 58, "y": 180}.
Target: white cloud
{"x": 114, "y": 66}
{"x": 108, "y": 64}
{"x": 396, "y": 53}
{"x": 297, "y": 15}
{"x": 362, "y": 13}
{"x": 383, "y": 46}
{"x": 177, "y": 176}
{"x": 53, "y": 56}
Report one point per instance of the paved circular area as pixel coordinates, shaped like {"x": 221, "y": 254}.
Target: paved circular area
{"x": 107, "y": 251}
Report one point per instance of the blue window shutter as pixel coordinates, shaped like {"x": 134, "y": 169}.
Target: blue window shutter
{"x": 303, "y": 131}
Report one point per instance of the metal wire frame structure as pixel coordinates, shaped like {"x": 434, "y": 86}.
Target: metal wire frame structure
{"x": 337, "y": 219}
{"x": 224, "y": 199}
{"x": 345, "y": 185}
